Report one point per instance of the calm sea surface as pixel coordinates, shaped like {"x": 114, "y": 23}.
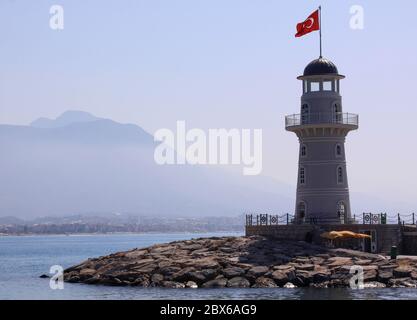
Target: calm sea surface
{"x": 24, "y": 259}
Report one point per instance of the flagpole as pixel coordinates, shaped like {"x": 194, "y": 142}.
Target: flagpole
{"x": 321, "y": 50}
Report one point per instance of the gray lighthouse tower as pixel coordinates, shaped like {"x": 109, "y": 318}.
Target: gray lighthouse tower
{"x": 321, "y": 127}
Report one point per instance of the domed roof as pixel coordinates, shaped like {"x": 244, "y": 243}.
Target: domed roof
{"x": 320, "y": 66}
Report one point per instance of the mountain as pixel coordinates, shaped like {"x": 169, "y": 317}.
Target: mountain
{"x": 78, "y": 164}
{"x": 11, "y": 220}
{"x": 67, "y": 118}
{"x": 79, "y": 127}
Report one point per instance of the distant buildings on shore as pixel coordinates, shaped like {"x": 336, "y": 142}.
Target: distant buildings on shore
{"x": 130, "y": 224}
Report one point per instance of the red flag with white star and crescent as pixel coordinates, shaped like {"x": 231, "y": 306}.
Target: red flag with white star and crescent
{"x": 311, "y": 24}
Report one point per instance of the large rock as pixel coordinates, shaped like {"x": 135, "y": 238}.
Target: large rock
{"x": 87, "y": 272}
{"x": 192, "y": 247}
{"x": 227, "y": 249}
{"x": 143, "y": 262}
{"x": 205, "y": 263}
{"x": 370, "y": 275}
{"x": 157, "y": 278}
{"x": 216, "y": 283}
{"x": 403, "y": 272}
{"x": 258, "y": 271}
{"x": 303, "y": 278}
{"x": 147, "y": 268}
{"x": 264, "y": 282}
{"x": 238, "y": 282}
{"x": 320, "y": 276}
{"x": 338, "y": 280}
{"x": 339, "y": 261}
{"x": 209, "y": 274}
{"x": 363, "y": 262}
{"x": 167, "y": 249}
{"x": 281, "y": 277}
{"x": 231, "y": 272}
{"x": 112, "y": 281}
{"x": 317, "y": 261}
{"x": 144, "y": 281}
{"x": 136, "y": 254}
{"x": 302, "y": 260}
{"x": 93, "y": 280}
{"x": 129, "y": 276}
{"x": 169, "y": 270}
{"x": 182, "y": 275}
{"x": 196, "y": 276}
{"x": 173, "y": 285}
{"x": 384, "y": 276}
{"x": 402, "y": 283}
{"x": 284, "y": 267}
{"x": 305, "y": 267}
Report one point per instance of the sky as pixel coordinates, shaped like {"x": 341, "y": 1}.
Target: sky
{"x": 220, "y": 64}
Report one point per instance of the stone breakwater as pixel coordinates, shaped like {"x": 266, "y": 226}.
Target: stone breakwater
{"x": 241, "y": 262}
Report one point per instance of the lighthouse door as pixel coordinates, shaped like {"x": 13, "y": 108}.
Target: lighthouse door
{"x": 301, "y": 212}
{"x": 337, "y": 113}
{"x": 341, "y": 212}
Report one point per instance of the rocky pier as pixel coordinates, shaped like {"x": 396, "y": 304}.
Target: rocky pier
{"x": 242, "y": 262}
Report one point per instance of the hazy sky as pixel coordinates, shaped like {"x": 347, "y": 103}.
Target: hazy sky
{"x": 220, "y": 64}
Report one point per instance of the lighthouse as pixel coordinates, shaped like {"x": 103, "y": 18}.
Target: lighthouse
{"x": 321, "y": 127}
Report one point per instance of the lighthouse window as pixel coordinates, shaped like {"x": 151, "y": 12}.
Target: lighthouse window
{"x": 338, "y": 150}
{"x": 315, "y": 86}
{"x": 303, "y": 151}
{"x": 327, "y": 85}
{"x": 302, "y": 175}
{"x": 339, "y": 175}
{"x": 304, "y": 113}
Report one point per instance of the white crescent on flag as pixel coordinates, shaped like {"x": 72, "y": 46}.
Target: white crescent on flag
{"x": 311, "y": 20}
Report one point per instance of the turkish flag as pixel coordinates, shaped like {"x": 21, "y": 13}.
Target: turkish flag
{"x": 311, "y": 24}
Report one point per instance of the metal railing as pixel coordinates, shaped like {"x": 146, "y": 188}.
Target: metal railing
{"x": 269, "y": 219}
{"x": 375, "y": 218}
{"x": 384, "y": 218}
{"x": 409, "y": 219}
{"x": 367, "y": 218}
{"x": 321, "y": 118}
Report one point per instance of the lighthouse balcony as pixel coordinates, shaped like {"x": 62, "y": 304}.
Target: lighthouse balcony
{"x": 322, "y": 119}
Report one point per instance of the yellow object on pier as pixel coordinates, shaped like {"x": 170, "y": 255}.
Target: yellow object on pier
{"x": 344, "y": 235}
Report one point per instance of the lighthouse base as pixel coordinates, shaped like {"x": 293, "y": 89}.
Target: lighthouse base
{"x": 383, "y": 236}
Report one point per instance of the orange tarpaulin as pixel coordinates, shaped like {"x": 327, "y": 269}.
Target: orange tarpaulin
{"x": 344, "y": 235}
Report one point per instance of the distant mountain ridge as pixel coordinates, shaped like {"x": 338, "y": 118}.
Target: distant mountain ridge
{"x": 79, "y": 163}
{"x": 79, "y": 127}
{"x": 67, "y": 118}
